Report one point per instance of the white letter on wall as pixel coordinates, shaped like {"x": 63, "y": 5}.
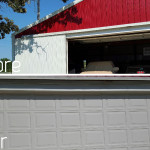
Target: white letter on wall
{"x": 6, "y": 62}
{"x": 2, "y": 142}
{"x": 16, "y": 66}
{"x": 2, "y": 66}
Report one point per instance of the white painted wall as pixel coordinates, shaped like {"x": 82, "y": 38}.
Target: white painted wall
{"x": 42, "y": 55}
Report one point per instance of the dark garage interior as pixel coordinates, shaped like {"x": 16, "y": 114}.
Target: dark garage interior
{"x": 131, "y": 56}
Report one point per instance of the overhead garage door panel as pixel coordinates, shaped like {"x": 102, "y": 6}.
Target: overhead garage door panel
{"x": 75, "y": 122}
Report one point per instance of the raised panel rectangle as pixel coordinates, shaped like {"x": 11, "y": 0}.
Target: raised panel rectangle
{"x": 1, "y": 121}
{"x": 139, "y": 118}
{"x": 93, "y": 104}
{"x": 94, "y": 137}
{"x": 19, "y": 140}
{"x": 115, "y": 103}
{"x": 70, "y": 119}
{"x": 93, "y": 119}
{"x": 18, "y": 104}
{"x": 140, "y": 136}
{"x": 19, "y": 120}
{"x": 119, "y": 148}
{"x": 44, "y": 104}
{"x": 117, "y": 137}
{"x": 71, "y": 138}
{"x": 45, "y": 120}
{"x": 140, "y": 148}
{"x": 137, "y": 102}
{"x": 116, "y": 118}
{"x": 1, "y": 104}
{"x": 69, "y": 104}
{"x": 46, "y": 139}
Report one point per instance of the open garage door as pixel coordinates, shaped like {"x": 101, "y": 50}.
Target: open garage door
{"x": 90, "y": 122}
{"x": 129, "y": 52}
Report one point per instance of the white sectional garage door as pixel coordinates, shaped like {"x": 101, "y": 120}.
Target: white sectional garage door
{"x": 75, "y": 122}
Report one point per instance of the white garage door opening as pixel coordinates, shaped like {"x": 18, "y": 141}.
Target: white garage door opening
{"x": 129, "y": 52}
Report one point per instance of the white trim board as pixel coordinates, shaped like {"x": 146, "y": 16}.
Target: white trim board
{"x": 75, "y": 77}
{"x": 111, "y": 30}
{"x": 48, "y": 16}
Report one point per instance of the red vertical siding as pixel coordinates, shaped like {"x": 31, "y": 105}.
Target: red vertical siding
{"x": 130, "y": 11}
{"x": 136, "y": 10}
{"x": 94, "y": 13}
{"x": 109, "y": 12}
{"x": 143, "y": 10}
{"x": 119, "y": 11}
{"x": 147, "y": 9}
{"x": 125, "y": 12}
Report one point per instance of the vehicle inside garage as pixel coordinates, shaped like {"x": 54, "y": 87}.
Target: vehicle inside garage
{"x": 130, "y": 53}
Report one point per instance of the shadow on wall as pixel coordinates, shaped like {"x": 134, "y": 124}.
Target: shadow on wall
{"x": 63, "y": 18}
{"x": 30, "y": 44}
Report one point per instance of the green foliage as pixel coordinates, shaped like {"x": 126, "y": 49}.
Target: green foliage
{"x": 9, "y": 65}
{"x": 7, "y": 25}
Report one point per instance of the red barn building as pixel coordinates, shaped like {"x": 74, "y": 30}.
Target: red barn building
{"x": 80, "y": 112}
{"x": 91, "y": 30}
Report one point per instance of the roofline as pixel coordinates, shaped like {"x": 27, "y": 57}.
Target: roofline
{"x": 48, "y": 16}
{"x": 98, "y": 31}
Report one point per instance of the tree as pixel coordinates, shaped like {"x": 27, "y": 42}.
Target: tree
{"x": 7, "y": 25}
{"x": 9, "y": 65}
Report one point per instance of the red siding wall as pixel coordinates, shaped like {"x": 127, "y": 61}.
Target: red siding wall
{"x": 94, "y": 13}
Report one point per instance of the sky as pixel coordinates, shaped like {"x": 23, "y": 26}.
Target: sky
{"x": 22, "y": 20}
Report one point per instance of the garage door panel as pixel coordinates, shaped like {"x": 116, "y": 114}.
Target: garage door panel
{"x": 119, "y": 148}
{"x": 93, "y": 119}
{"x": 46, "y": 139}
{"x": 18, "y": 104}
{"x": 71, "y": 138}
{"x": 44, "y": 120}
{"x": 138, "y": 118}
{"x": 19, "y": 140}
{"x": 140, "y": 148}
{"x": 137, "y": 102}
{"x": 90, "y": 104}
{"x": 68, "y": 104}
{"x": 1, "y": 121}
{"x": 43, "y": 103}
{"x": 148, "y": 106}
{"x": 116, "y": 119}
{"x": 91, "y": 148}
{"x": 140, "y": 136}
{"x": 70, "y": 119}
{"x": 72, "y": 122}
{"x": 117, "y": 137}
{"x": 114, "y": 102}
{"x": 19, "y": 120}
{"x": 1, "y": 104}
{"x": 94, "y": 138}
